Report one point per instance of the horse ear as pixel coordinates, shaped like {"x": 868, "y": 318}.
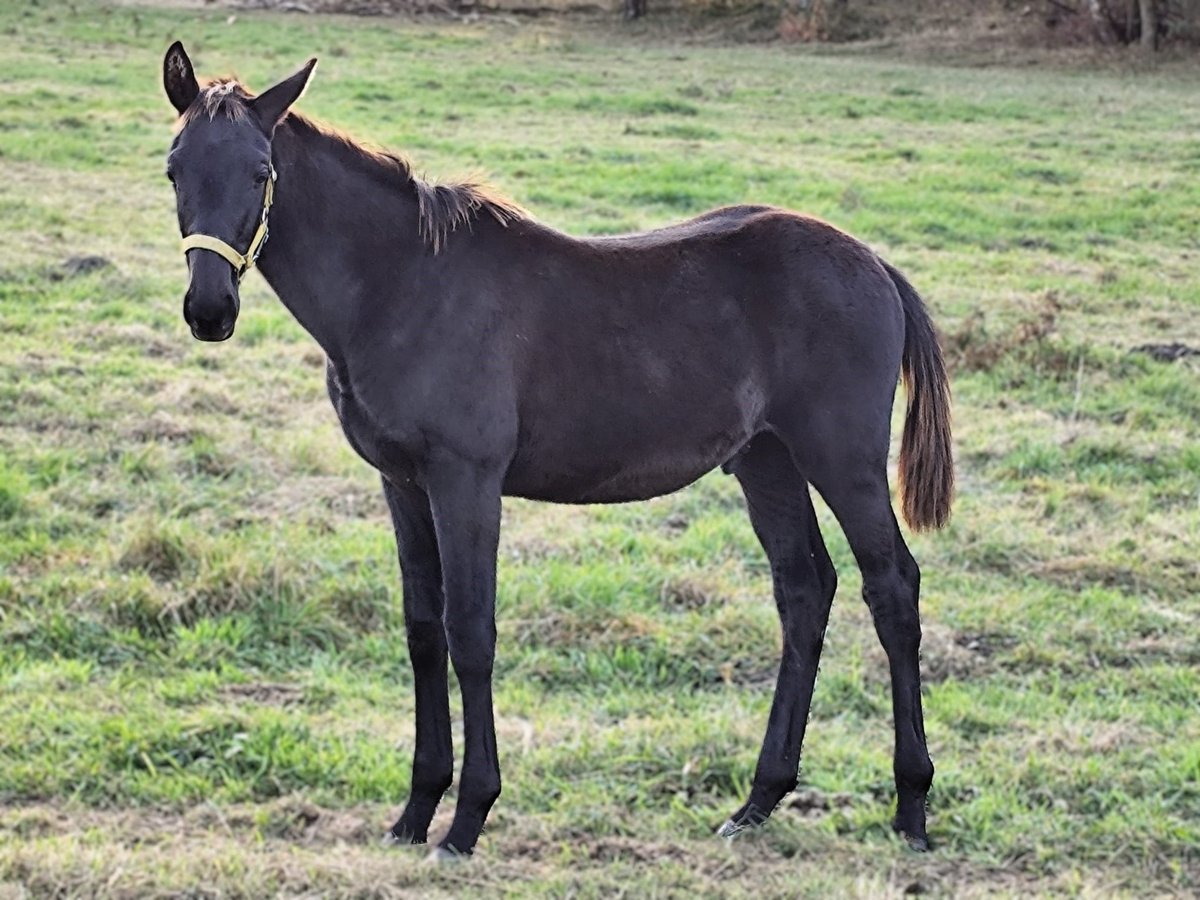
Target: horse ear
{"x": 178, "y": 78}
{"x": 272, "y": 104}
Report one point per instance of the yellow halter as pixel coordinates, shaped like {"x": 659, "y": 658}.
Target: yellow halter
{"x": 241, "y": 263}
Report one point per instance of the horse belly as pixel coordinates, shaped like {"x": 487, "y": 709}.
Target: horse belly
{"x": 607, "y": 463}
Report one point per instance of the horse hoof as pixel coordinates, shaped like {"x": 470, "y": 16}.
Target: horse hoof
{"x": 730, "y": 830}
{"x": 445, "y": 856}
{"x": 391, "y": 839}
{"x": 916, "y": 843}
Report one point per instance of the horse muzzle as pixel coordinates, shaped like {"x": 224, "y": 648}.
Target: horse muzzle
{"x": 214, "y": 332}
{"x": 211, "y": 314}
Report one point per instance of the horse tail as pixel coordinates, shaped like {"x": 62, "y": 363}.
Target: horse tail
{"x": 926, "y": 468}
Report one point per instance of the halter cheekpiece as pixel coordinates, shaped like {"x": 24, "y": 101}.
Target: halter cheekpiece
{"x": 242, "y": 263}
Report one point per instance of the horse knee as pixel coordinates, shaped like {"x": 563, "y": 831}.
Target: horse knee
{"x": 426, "y": 644}
{"x": 472, "y": 647}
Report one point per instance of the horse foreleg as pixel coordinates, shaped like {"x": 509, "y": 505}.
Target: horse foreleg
{"x": 466, "y": 514}
{"x": 421, "y": 572}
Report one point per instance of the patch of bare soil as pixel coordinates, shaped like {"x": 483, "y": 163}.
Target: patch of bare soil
{"x": 162, "y": 426}
{"x": 292, "y": 847}
{"x": 947, "y": 654}
{"x": 292, "y": 817}
{"x": 264, "y": 693}
{"x": 78, "y": 266}
{"x": 1167, "y": 353}
{"x": 1078, "y": 572}
{"x": 812, "y": 803}
{"x": 689, "y": 594}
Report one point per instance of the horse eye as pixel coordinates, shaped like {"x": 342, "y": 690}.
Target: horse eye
{"x": 170, "y": 176}
{"x": 260, "y": 178}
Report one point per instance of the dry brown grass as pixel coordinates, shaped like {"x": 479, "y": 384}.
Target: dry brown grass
{"x": 295, "y": 848}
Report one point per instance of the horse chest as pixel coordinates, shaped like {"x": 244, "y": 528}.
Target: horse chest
{"x": 383, "y": 451}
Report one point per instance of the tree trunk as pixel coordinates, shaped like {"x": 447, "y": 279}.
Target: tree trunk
{"x": 1101, "y": 22}
{"x": 1149, "y": 20}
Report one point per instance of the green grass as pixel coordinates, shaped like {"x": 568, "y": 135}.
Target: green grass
{"x": 204, "y": 685}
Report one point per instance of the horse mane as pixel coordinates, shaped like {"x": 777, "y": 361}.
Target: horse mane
{"x": 441, "y": 208}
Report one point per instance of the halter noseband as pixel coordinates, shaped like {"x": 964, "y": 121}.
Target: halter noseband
{"x": 241, "y": 263}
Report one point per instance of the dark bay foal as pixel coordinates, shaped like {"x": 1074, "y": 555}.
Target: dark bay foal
{"x": 474, "y": 353}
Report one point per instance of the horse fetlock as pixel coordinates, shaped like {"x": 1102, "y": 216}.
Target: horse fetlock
{"x": 914, "y": 777}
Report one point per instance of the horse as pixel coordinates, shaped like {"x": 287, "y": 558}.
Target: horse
{"x": 474, "y": 353}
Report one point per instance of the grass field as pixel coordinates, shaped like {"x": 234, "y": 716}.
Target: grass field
{"x": 204, "y": 687}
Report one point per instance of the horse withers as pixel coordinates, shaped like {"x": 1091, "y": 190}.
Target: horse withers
{"x": 474, "y": 353}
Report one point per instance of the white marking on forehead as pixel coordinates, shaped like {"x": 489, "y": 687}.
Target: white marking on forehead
{"x": 220, "y": 89}
{"x": 220, "y": 96}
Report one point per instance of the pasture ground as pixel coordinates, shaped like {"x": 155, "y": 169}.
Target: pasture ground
{"x": 204, "y": 688}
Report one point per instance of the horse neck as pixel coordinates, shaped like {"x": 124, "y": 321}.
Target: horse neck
{"x": 332, "y": 211}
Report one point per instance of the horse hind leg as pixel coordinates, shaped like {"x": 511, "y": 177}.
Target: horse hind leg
{"x": 781, "y": 513}
{"x": 852, "y": 478}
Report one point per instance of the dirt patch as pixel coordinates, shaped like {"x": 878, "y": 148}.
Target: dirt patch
{"x": 1091, "y": 737}
{"x": 689, "y": 594}
{"x": 1078, "y": 572}
{"x": 753, "y": 673}
{"x": 1150, "y": 650}
{"x": 618, "y": 849}
{"x": 292, "y": 847}
{"x": 1167, "y": 353}
{"x": 946, "y": 653}
{"x": 78, "y": 266}
{"x": 812, "y": 803}
{"x": 161, "y": 426}
{"x": 187, "y": 395}
{"x": 977, "y": 346}
{"x": 293, "y": 817}
{"x": 944, "y": 656}
{"x": 264, "y": 693}
{"x": 676, "y": 524}
{"x": 207, "y": 852}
